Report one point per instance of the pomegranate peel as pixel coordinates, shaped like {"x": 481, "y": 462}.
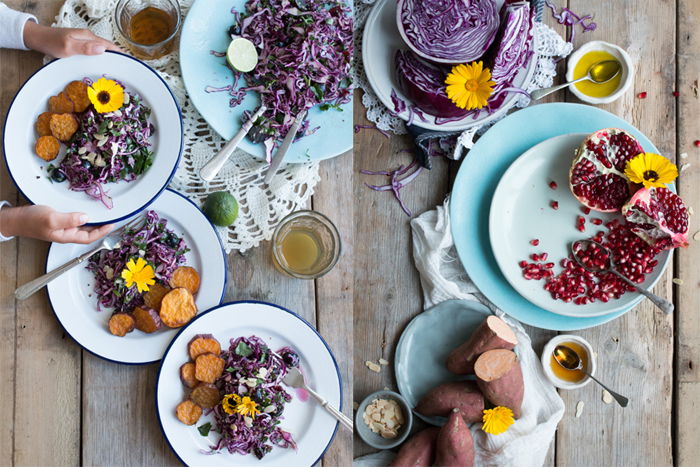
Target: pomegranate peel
{"x": 659, "y": 217}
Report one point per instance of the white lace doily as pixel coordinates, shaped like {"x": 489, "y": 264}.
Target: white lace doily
{"x": 260, "y": 208}
{"x": 549, "y": 47}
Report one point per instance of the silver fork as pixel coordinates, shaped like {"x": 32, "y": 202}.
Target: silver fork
{"x": 110, "y": 242}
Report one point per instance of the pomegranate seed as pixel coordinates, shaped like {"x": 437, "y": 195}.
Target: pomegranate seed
{"x": 553, "y": 185}
{"x": 676, "y": 93}
{"x": 596, "y": 221}
{"x": 549, "y": 265}
{"x": 642, "y": 95}
{"x": 522, "y": 264}
{"x": 543, "y": 256}
{"x": 586, "y": 210}
{"x": 534, "y": 242}
{"x": 554, "y": 205}
{"x": 697, "y": 143}
{"x": 535, "y": 257}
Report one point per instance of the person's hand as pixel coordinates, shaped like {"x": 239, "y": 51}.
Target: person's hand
{"x": 44, "y": 223}
{"x": 64, "y": 42}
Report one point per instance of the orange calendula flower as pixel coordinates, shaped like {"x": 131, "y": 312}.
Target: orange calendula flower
{"x": 497, "y": 420}
{"x": 469, "y": 86}
{"x": 651, "y": 170}
{"x": 138, "y": 272}
{"x": 106, "y": 95}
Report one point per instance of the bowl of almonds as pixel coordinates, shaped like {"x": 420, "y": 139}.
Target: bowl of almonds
{"x": 383, "y": 419}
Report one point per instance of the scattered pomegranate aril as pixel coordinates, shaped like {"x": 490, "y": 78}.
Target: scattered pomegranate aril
{"x": 596, "y": 221}
{"x": 676, "y": 93}
{"x": 642, "y": 95}
{"x": 535, "y": 241}
{"x": 554, "y": 205}
{"x": 586, "y": 210}
{"x": 553, "y": 185}
{"x": 697, "y": 143}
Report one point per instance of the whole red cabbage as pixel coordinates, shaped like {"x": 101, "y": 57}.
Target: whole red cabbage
{"x": 448, "y": 31}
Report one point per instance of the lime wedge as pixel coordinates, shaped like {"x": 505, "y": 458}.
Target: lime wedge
{"x": 242, "y": 55}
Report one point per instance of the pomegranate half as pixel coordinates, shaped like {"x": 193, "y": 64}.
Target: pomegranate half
{"x": 659, "y": 216}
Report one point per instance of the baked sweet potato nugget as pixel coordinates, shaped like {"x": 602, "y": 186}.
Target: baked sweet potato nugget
{"x": 147, "y": 319}
{"x": 47, "y": 147}
{"x": 205, "y": 395}
{"x": 121, "y": 323}
{"x": 177, "y": 308}
{"x": 208, "y": 367}
{"x": 188, "y": 412}
{"x": 155, "y": 294}
{"x": 187, "y": 375}
{"x": 77, "y": 92}
{"x": 63, "y": 126}
{"x": 201, "y": 344}
{"x": 187, "y": 277}
{"x": 61, "y": 104}
{"x": 42, "y": 124}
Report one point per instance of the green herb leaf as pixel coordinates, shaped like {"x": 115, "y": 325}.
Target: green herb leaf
{"x": 243, "y": 349}
{"x": 204, "y": 429}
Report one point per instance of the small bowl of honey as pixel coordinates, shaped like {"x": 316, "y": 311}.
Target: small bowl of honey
{"x": 589, "y": 54}
{"x": 560, "y": 376}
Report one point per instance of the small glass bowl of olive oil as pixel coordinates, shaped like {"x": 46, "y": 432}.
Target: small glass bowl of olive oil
{"x": 305, "y": 245}
{"x": 560, "y": 376}
{"x": 148, "y": 27}
{"x": 599, "y": 93}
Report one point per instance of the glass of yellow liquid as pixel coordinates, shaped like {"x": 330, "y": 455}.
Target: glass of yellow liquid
{"x": 148, "y": 27}
{"x": 305, "y": 245}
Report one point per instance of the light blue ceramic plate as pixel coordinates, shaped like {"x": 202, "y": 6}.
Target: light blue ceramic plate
{"x": 425, "y": 344}
{"x": 476, "y": 182}
{"x": 205, "y": 29}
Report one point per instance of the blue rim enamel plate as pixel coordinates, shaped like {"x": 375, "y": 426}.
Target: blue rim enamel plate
{"x": 206, "y": 30}
{"x": 310, "y": 425}
{"x": 75, "y": 304}
{"x": 476, "y": 182}
{"x": 28, "y": 171}
{"x": 520, "y": 212}
{"x": 426, "y": 342}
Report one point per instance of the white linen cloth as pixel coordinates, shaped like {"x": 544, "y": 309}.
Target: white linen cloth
{"x": 442, "y": 276}
{"x": 12, "y": 27}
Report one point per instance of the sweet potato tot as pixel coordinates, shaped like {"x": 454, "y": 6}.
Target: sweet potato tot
{"x": 500, "y": 379}
{"x": 188, "y": 412}
{"x": 121, "y": 323}
{"x": 42, "y": 124}
{"x": 201, "y": 344}
{"x": 47, "y": 147}
{"x": 208, "y": 367}
{"x": 187, "y": 375}
{"x": 418, "y": 451}
{"x": 205, "y": 395}
{"x": 63, "y": 126}
{"x": 187, "y": 277}
{"x": 454, "y": 446}
{"x": 492, "y": 333}
{"x": 147, "y": 319}
{"x": 77, "y": 92}
{"x": 463, "y": 395}
{"x": 61, "y": 104}
{"x": 177, "y": 308}
{"x": 155, "y": 294}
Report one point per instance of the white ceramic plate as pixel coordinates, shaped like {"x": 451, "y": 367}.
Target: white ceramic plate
{"x": 28, "y": 171}
{"x": 311, "y": 426}
{"x": 520, "y": 212}
{"x": 75, "y": 304}
{"x": 381, "y": 40}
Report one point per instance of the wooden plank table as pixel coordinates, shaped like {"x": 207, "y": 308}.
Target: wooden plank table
{"x": 651, "y": 358}
{"x": 64, "y": 406}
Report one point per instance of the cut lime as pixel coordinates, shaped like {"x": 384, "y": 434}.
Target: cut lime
{"x": 242, "y": 55}
{"x": 221, "y": 208}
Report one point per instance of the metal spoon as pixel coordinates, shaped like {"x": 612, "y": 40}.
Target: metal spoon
{"x": 663, "y": 304}
{"x": 569, "y": 359}
{"x": 600, "y": 72}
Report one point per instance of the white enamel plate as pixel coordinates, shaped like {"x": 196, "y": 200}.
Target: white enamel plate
{"x": 310, "y": 425}
{"x": 75, "y": 303}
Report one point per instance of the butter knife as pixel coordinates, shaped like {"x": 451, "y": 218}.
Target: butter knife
{"x": 284, "y": 147}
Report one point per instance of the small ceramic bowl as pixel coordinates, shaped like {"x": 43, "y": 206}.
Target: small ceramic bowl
{"x": 617, "y": 52}
{"x": 547, "y": 355}
{"x": 374, "y": 439}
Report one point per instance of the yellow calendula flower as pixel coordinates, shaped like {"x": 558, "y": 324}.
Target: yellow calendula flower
{"x": 106, "y": 95}
{"x": 497, "y": 420}
{"x": 229, "y": 403}
{"x": 247, "y": 406}
{"x": 469, "y": 86}
{"x": 139, "y": 273}
{"x": 652, "y": 170}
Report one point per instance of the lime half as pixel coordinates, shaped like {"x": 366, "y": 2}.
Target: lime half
{"x": 242, "y": 55}
{"x": 221, "y": 208}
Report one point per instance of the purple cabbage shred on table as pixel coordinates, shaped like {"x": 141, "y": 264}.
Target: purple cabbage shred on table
{"x": 568, "y": 18}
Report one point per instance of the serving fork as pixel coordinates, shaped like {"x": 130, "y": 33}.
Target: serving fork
{"x": 110, "y": 242}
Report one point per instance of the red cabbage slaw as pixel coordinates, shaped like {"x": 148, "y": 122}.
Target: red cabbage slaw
{"x": 108, "y": 148}
{"x": 253, "y": 370}
{"x": 154, "y": 242}
{"x": 305, "y": 49}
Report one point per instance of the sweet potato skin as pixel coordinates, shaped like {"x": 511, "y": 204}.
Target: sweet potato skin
{"x": 205, "y": 395}
{"x": 461, "y": 360}
{"x": 187, "y": 375}
{"x": 208, "y": 367}
{"x": 418, "y": 451}
{"x": 507, "y": 390}
{"x": 454, "y": 446}
{"x": 201, "y": 344}
{"x": 462, "y": 395}
{"x": 147, "y": 319}
{"x": 188, "y": 412}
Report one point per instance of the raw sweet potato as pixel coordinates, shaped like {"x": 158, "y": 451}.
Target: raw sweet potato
{"x": 61, "y": 104}
{"x": 63, "y": 126}
{"x": 418, "y": 451}
{"x": 47, "y": 147}
{"x": 187, "y": 277}
{"x": 500, "y": 379}
{"x": 177, "y": 308}
{"x": 187, "y": 375}
{"x": 205, "y": 395}
{"x": 462, "y": 395}
{"x": 155, "y": 295}
{"x": 454, "y": 446}
{"x": 492, "y": 333}
{"x": 77, "y": 92}
{"x": 42, "y": 124}
{"x": 201, "y": 344}
{"x": 120, "y": 324}
{"x": 147, "y": 319}
{"x": 188, "y": 412}
{"x": 208, "y": 367}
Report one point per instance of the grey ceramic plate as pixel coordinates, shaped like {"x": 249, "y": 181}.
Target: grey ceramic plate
{"x": 425, "y": 344}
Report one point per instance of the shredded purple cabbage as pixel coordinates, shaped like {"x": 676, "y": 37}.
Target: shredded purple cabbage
{"x": 568, "y": 18}
{"x": 154, "y": 242}
{"x": 395, "y": 182}
{"x": 359, "y": 127}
